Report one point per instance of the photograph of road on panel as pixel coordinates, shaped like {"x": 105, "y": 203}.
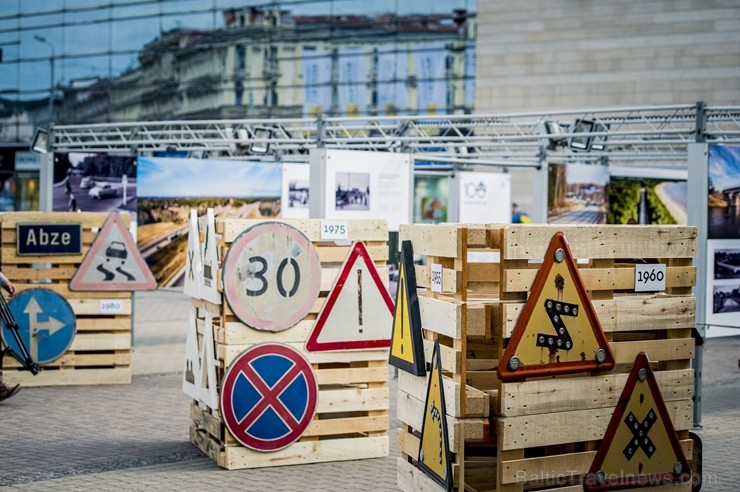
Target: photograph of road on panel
{"x": 577, "y": 194}
{"x": 647, "y": 201}
{"x": 94, "y": 183}
{"x": 353, "y": 191}
{"x": 170, "y": 187}
{"x": 724, "y": 192}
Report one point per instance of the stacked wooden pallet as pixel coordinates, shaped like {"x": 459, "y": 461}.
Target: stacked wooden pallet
{"x": 351, "y": 419}
{"x": 542, "y": 432}
{"x": 101, "y": 350}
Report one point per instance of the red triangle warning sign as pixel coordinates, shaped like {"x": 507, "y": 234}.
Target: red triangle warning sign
{"x": 113, "y": 263}
{"x": 558, "y": 331}
{"x": 359, "y": 310}
{"x": 640, "y": 447}
{"x": 407, "y": 343}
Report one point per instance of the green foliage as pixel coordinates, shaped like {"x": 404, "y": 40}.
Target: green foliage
{"x": 624, "y": 202}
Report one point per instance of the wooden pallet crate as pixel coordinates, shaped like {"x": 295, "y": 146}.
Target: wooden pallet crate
{"x": 351, "y": 420}
{"x": 541, "y": 428}
{"x": 101, "y": 350}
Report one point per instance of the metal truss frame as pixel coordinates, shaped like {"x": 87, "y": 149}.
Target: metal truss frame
{"x": 655, "y": 136}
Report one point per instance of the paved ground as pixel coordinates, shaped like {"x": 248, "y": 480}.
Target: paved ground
{"x": 135, "y": 437}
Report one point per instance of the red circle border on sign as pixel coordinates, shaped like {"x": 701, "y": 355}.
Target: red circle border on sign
{"x": 229, "y": 286}
{"x": 227, "y": 389}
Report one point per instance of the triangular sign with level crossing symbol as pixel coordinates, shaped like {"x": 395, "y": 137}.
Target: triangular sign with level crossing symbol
{"x": 640, "y": 447}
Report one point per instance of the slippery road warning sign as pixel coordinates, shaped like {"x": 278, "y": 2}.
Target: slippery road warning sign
{"x": 407, "y": 348}
{"x": 558, "y": 331}
{"x": 46, "y": 324}
{"x": 358, "y": 312}
{"x": 640, "y": 447}
{"x": 434, "y": 449}
{"x": 271, "y": 276}
{"x": 113, "y": 262}
{"x": 269, "y": 396}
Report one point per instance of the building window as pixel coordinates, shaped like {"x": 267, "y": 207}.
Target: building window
{"x": 241, "y": 57}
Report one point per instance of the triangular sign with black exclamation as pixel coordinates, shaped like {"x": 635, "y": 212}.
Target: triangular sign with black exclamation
{"x": 407, "y": 345}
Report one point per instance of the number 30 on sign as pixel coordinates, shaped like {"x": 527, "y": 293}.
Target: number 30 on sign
{"x": 271, "y": 276}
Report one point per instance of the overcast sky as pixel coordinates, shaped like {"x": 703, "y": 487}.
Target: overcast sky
{"x": 92, "y": 39}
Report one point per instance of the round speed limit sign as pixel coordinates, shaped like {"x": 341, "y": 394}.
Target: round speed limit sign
{"x": 271, "y": 276}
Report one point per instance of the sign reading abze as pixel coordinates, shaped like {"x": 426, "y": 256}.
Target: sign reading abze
{"x": 39, "y": 239}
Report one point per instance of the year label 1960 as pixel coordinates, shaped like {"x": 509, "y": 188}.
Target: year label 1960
{"x": 650, "y": 277}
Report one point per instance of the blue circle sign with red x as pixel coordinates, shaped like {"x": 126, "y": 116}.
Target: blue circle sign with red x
{"x": 269, "y": 396}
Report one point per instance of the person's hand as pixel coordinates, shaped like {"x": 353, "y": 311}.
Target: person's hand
{"x": 10, "y": 287}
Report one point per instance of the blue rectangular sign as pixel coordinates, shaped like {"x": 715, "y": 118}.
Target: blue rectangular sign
{"x": 41, "y": 239}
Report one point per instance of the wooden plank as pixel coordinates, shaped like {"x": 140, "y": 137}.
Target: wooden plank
{"x": 116, "y": 375}
{"x": 579, "y": 425}
{"x": 353, "y": 400}
{"x": 88, "y": 219}
{"x": 91, "y": 342}
{"x": 476, "y": 401}
{"x": 337, "y": 254}
{"x": 10, "y": 256}
{"x": 451, "y": 358}
{"x": 350, "y": 425}
{"x": 121, "y": 323}
{"x": 657, "y": 350}
{"x": 30, "y": 273}
{"x": 451, "y": 278}
{"x": 237, "y": 333}
{"x": 411, "y": 412}
{"x": 62, "y": 288}
{"x": 609, "y": 241}
{"x": 441, "y": 316}
{"x": 627, "y": 313}
{"x": 92, "y": 306}
{"x": 558, "y": 466}
{"x": 358, "y": 229}
{"x": 411, "y": 479}
{"x": 300, "y": 453}
{"x": 602, "y": 391}
{"x": 621, "y": 278}
{"x": 352, "y": 375}
{"x": 432, "y": 239}
{"x": 203, "y": 419}
{"x": 227, "y": 354}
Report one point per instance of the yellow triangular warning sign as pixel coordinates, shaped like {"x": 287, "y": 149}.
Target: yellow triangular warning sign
{"x": 434, "y": 449}
{"x": 407, "y": 346}
{"x": 558, "y": 331}
{"x": 113, "y": 263}
{"x": 640, "y": 447}
{"x": 358, "y": 312}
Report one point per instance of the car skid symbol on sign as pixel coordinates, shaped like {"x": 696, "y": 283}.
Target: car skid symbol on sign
{"x": 116, "y": 250}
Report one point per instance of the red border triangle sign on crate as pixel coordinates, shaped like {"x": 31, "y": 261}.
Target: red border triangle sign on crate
{"x": 358, "y": 313}
{"x": 113, "y": 262}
